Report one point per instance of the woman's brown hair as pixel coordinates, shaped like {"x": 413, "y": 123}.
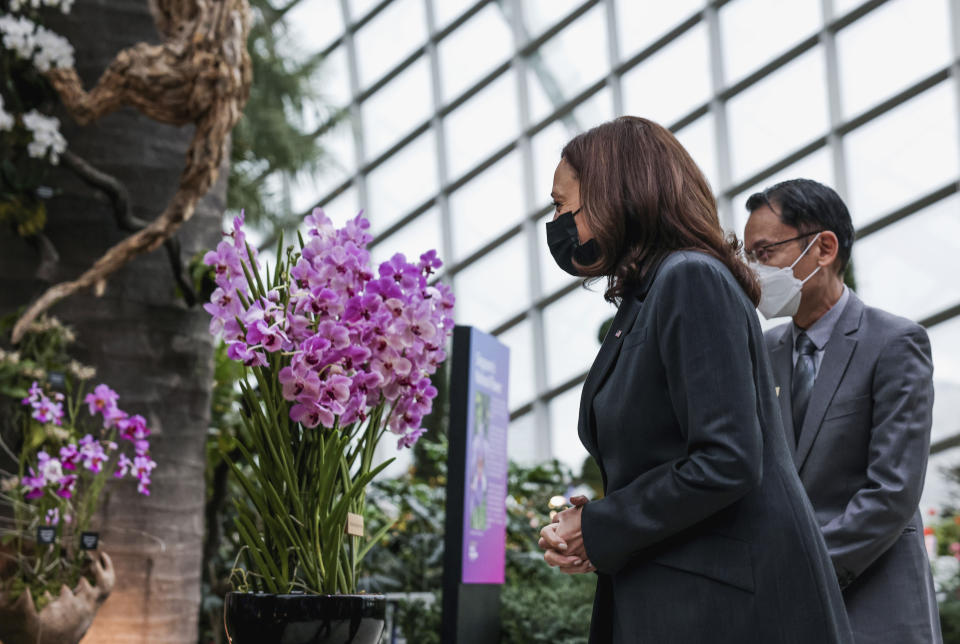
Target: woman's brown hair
{"x": 644, "y": 197}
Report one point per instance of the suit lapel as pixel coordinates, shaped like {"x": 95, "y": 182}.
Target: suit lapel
{"x": 623, "y": 322}
{"x": 606, "y": 358}
{"x": 836, "y": 357}
{"x": 782, "y": 358}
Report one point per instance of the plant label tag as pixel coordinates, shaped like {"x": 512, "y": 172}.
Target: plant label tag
{"x": 89, "y": 540}
{"x": 46, "y": 535}
{"x": 354, "y": 524}
{"x": 57, "y": 380}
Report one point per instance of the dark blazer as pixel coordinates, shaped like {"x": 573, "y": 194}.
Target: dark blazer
{"x": 704, "y": 533}
{"x": 862, "y": 457}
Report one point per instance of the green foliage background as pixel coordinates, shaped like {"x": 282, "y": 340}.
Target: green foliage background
{"x": 946, "y": 529}
{"x": 538, "y": 603}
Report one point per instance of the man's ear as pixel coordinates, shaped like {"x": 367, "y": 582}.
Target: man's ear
{"x": 829, "y": 248}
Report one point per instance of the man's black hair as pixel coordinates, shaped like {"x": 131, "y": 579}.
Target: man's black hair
{"x": 808, "y": 205}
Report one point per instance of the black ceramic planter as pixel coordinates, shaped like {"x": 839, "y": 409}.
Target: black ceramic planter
{"x": 304, "y": 619}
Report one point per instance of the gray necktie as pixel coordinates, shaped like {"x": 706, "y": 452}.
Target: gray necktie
{"x": 804, "y": 373}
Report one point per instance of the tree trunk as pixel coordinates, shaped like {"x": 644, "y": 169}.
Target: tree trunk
{"x": 145, "y": 342}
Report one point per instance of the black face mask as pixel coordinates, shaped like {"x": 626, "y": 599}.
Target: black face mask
{"x": 565, "y": 246}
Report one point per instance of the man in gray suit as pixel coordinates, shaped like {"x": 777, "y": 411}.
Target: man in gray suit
{"x": 856, "y": 392}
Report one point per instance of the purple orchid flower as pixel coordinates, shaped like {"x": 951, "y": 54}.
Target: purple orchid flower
{"x": 351, "y": 337}
{"x": 66, "y": 486}
{"x": 102, "y": 400}
{"x": 92, "y": 453}
{"x": 133, "y": 428}
{"x": 124, "y": 465}
{"x": 35, "y": 485}
{"x": 410, "y": 439}
{"x": 246, "y": 354}
{"x": 69, "y": 457}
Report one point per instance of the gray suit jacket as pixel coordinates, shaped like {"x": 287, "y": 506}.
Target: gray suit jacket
{"x": 862, "y": 457}
{"x": 705, "y": 533}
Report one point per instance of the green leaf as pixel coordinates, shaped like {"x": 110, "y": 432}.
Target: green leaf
{"x": 256, "y": 274}
{"x": 374, "y": 540}
{"x": 275, "y": 582}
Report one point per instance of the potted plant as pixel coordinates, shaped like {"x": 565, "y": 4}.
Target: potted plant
{"x": 71, "y": 442}
{"x": 335, "y": 356}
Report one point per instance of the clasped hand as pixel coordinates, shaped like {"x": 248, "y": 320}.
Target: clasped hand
{"x": 562, "y": 540}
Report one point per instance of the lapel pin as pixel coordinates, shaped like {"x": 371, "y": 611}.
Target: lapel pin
{"x": 617, "y": 334}
{"x": 778, "y": 391}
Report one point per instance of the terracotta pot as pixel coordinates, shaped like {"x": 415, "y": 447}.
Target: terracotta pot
{"x": 65, "y": 619}
{"x": 304, "y": 619}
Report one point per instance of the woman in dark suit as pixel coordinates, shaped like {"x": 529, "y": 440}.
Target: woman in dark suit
{"x": 704, "y": 533}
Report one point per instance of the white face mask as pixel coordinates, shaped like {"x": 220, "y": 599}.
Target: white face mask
{"x": 780, "y": 289}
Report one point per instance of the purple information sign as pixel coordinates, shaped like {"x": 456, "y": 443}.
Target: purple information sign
{"x": 484, "y": 507}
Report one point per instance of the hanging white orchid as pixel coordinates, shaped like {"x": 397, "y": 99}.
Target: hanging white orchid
{"x": 46, "y": 50}
{"x": 46, "y": 136}
{"x": 6, "y": 118}
{"x": 62, "y": 5}
{"x": 34, "y": 42}
{"x": 18, "y": 35}
{"x": 53, "y": 50}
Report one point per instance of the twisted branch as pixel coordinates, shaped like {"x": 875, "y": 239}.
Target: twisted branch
{"x": 122, "y": 212}
{"x": 118, "y": 193}
{"x": 200, "y": 74}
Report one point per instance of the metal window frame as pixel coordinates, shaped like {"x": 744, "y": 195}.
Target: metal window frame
{"x": 526, "y": 46}
{"x": 543, "y": 437}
